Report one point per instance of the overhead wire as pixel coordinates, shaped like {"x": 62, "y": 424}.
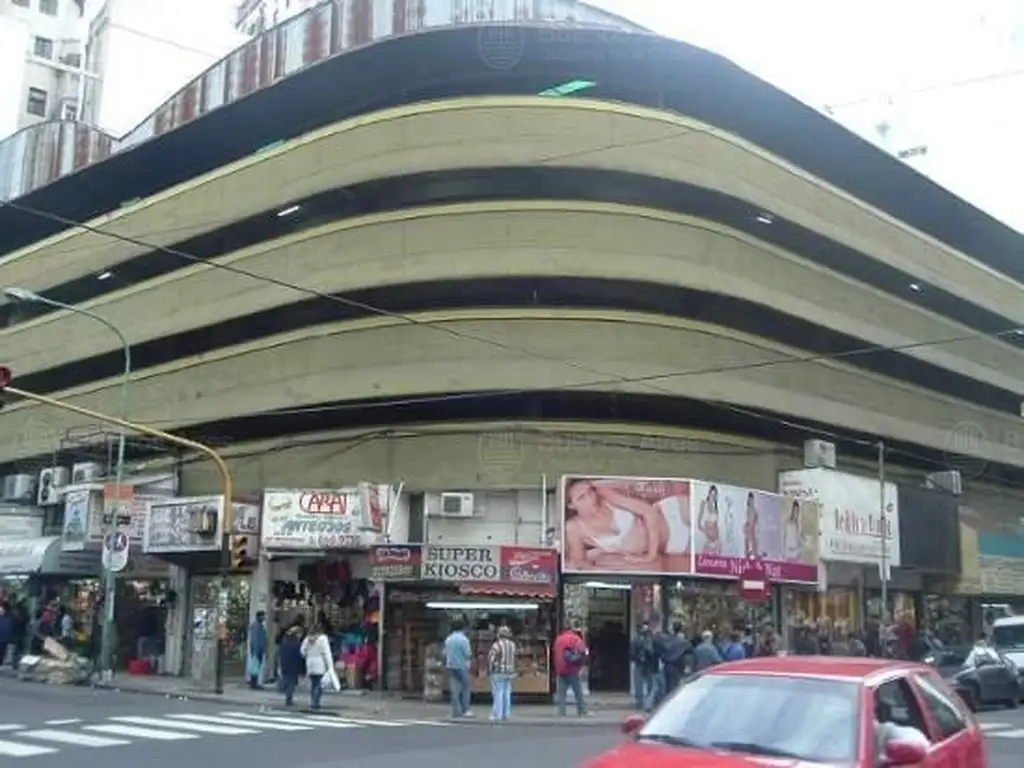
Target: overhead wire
{"x": 648, "y": 381}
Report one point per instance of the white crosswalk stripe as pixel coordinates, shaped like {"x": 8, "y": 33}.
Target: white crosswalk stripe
{"x": 125, "y": 730}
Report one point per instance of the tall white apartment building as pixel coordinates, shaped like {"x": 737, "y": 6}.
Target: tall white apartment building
{"x": 41, "y": 52}
{"x": 254, "y": 16}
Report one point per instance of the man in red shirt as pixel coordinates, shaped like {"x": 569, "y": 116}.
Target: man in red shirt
{"x": 570, "y": 657}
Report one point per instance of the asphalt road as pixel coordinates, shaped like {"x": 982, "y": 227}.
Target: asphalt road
{"x": 54, "y": 726}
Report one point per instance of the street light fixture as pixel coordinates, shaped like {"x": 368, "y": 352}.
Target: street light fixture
{"x": 15, "y": 293}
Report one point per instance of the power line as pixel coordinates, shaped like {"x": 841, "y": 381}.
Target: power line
{"x": 604, "y": 378}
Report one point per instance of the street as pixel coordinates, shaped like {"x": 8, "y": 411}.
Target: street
{"x": 47, "y": 724}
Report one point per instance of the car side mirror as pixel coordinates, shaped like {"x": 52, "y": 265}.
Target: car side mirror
{"x": 632, "y": 724}
{"x": 905, "y": 752}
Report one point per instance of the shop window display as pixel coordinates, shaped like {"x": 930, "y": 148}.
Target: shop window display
{"x": 830, "y": 617}
{"x": 716, "y": 606}
{"x": 347, "y": 609}
{"x": 418, "y": 623}
{"x": 948, "y": 619}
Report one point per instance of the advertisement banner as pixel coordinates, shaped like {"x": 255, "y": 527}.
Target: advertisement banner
{"x": 314, "y": 520}
{"x": 532, "y": 570}
{"x": 737, "y": 528}
{"x": 78, "y": 513}
{"x": 636, "y": 525}
{"x": 991, "y": 554}
{"x": 194, "y": 524}
{"x": 122, "y": 509}
{"x": 851, "y": 520}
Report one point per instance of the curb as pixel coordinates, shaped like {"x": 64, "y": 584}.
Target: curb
{"x": 532, "y": 721}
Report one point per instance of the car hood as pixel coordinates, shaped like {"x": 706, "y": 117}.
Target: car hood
{"x": 1016, "y": 655}
{"x": 634, "y": 755}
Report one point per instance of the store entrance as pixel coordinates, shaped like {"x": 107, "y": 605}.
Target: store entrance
{"x": 608, "y": 628}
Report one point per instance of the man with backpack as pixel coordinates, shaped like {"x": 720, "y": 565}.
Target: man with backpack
{"x": 570, "y": 658}
{"x": 677, "y": 657}
{"x": 643, "y": 653}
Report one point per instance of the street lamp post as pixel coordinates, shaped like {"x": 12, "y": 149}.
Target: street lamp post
{"x": 110, "y": 590}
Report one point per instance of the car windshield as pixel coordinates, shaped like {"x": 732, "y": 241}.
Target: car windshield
{"x": 1009, "y": 636}
{"x": 798, "y": 717}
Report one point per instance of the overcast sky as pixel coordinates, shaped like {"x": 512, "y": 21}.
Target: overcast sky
{"x": 878, "y": 60}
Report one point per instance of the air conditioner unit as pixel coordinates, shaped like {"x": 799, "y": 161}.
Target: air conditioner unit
{"x": 85, "y": 472}
{"x": 950, "y": 481}
{"x": 20, "y": 488}
{"x": 203, "y": 520}
{"x": 819, "y": 453}
{"x": 50, "y": 480}
{"x": 456, "y": 505}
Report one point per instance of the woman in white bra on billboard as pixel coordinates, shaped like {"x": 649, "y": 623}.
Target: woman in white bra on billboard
{"x": 607, "y": 528}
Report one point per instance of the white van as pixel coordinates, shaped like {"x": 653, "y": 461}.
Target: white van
{"x": 1008, "y": 638}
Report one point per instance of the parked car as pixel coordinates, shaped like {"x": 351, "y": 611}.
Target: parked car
{"x": 979, "y": 674}
{"x": 805, "y": 711}
{"x": 1008, "y": 639}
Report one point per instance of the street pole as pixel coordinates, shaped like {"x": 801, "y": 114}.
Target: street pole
{"x": 884, "y": 558}
{"x": 109, "y": 576}
{"x": 227, "y": 488}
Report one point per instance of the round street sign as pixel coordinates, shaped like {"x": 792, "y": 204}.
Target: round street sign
{"x": 115, "y": 551}
{"x": 754, "y": 585}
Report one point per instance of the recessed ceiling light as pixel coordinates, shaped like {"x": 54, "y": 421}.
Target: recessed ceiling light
{"x": 104, "y": 275}
{"x": 288, "y": 211}
{"x": 916, "y": 287}
{"x": 765, "y": 218}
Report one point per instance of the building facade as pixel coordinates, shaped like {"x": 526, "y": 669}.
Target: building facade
{"x": 44, "y": 44}
{"x": 541, "y": 333}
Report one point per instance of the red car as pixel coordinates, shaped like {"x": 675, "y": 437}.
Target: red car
{"x": 804, "y": 711}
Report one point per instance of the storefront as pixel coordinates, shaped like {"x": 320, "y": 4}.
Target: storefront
{"x": 853, "y": 549}
{"x": 315, "y": 570}
{"x": 484, "y": 587}
{"x": 673, "y": 551}
{"x": 172, "y": 626}
{"x": 39, "y": 572}
{"x": 991, "y": 579}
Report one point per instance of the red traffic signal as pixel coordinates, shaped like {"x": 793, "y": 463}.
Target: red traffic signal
{"x": 5, "y": 377}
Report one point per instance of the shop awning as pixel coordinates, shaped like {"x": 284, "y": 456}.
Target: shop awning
{"x": 43, "y": 556}
{"x": 542, "y": 591}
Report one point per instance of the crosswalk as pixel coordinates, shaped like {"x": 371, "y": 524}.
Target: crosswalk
{"x": 121, "y": 730}
{"x": 1002, "y": 730}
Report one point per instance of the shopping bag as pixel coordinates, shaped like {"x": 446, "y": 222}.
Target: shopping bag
{"x": 331, "y": 683}
{"x": 254, "y": 669}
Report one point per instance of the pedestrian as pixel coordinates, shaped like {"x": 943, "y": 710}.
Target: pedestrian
{"x": 257, "y": 649}
{"x": 316, "y": 650}
{"x": 291, "y": 662}
{"x": 706, "y": 655}
{"x": 571, "y": 656}
{"x": 643, "y": 654}
{"x": 457, "y": 656}
{"x": 6, "y": 630}
{"x": 677, "y": 654}
{"x": 733, "y": 649}
{"x": 501, "y": 663}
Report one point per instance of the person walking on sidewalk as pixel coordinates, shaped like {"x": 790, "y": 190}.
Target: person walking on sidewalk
{"x": 501, "y": 663}
{"x": 457, "y": 656}
{"x": 257, "y": 650}
{"x": 292, "y": 664}
{"x": 570, "y": 657}
{"x": 316, "y": 650}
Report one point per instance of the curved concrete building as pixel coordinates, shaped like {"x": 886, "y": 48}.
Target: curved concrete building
{"x": 555, "y": 230}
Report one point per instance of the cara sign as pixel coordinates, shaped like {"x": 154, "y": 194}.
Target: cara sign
{"x": 321, "y": 519}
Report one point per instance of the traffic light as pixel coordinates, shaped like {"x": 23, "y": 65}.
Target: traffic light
{"x": 239, "y": 551}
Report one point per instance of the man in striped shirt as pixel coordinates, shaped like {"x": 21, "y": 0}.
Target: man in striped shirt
{"x": 501, "y": 663}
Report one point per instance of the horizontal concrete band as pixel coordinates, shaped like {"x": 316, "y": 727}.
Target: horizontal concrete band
{"x": 549, "y": 238}
{"x": 484, "y": 132}
{"x": 388, "y": 358}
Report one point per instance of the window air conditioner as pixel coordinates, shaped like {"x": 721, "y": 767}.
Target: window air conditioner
{"x": 50, "y": 480}
{"x": 456, "y": 505}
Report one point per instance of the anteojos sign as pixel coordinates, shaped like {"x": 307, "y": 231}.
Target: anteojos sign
{"x": 462, "y": 563}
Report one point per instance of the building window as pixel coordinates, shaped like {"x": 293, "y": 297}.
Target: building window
{"x": 73, "y": 60}
{"x": 69, "y": 111}
{"x": 37, "y": 102}
{"x": 49, "y": 7}
{"x": 22, "y": 3}
{"x": 43, "y": 47}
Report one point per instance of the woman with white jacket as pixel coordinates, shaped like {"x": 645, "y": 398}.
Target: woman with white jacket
{"x": 316, "y": 650}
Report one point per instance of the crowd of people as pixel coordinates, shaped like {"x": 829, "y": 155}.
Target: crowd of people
{"x": 22, "y": 631}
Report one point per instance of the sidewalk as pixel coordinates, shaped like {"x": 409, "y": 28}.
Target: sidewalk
{"x": 606, "y": 711}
